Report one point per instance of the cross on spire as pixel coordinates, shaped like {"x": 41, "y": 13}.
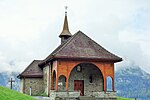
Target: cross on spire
{"x": 66, "y": 7}
{"x": 11, "y": 81}
{"x": 65, "y": 34}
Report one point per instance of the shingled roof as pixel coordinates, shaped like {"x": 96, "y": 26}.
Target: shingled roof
{"x": 33, "y": 70}
{"x": 80, "y": 46}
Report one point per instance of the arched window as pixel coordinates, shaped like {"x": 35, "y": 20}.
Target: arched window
{"x": 62, "y": 83}
{"x": 109, "y": 83}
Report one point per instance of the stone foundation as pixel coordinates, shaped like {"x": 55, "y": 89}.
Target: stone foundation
{"x": 59, "y": 95}
{"x": 111, "y": 95}
{"x": 74, "y": 95}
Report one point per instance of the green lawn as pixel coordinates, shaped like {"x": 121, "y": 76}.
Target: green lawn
{"x": 8, "y": 94}
{"x": 121, "y": 98}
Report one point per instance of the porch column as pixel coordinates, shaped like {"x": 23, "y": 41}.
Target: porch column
{"x": 49, "y": 79}
{"x": 52, "y": 83}
{"x": 67, "y": 84}
{"x": 105, "y": 84}
{"x": 56, "y": 83}
{"x": 113, "y": 86}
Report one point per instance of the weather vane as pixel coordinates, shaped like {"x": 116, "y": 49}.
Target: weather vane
{"x": 66, "y": 7}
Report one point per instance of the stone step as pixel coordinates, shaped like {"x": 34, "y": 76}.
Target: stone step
{"x": 86, "y": 98}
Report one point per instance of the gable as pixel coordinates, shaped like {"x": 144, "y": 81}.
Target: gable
{"x": 81, "y": 46}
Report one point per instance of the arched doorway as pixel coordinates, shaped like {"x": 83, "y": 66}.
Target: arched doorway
{"x": 86, "y": 78}
{"x": 109, "y": 83}
{"x": 62, "y": 83}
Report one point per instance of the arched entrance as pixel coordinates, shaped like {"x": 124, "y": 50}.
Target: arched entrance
{"x": 86, "y": 78}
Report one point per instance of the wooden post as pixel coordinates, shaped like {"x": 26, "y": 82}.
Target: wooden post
{"x": 56, "y": 84}
{"x": 67, "y": 84}
{"x": 105, "y": 88}
{"x": 11, "y": 81}
{"x": 52, "y": 81}
{"x": 113, "y": 86}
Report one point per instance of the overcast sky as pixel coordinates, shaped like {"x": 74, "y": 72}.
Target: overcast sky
{"x": 29, "y": 29}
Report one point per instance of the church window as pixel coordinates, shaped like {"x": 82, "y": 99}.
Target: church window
{"x": 109, "y": 83}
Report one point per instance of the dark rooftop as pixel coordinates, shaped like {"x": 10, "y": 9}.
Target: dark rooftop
{"x": 33, "y": 70}
{"x": 82, "y": 47}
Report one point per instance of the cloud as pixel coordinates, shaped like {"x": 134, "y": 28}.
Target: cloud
{"x": 29, "y": 29}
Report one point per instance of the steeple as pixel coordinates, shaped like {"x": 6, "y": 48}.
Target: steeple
{"x": 65, "y": 34}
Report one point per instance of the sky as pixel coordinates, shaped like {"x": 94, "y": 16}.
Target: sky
{"x": 29, "y": 29}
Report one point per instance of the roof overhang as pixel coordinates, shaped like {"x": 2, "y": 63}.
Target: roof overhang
{"x": 79, "y": 59}
{"x": 29, "y": 76}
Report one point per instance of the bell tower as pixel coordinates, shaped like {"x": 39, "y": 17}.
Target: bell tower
{"x": 65, "y": 34}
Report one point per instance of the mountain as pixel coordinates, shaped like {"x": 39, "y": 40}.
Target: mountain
{"x": 5, "y": 77}
{"x": 133, "y": 82}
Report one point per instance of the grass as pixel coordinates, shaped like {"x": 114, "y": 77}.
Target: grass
{"x": 121, "y": 98}
{"x": 8, "y": 94}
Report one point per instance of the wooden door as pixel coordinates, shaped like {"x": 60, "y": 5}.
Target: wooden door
{"x": 79, "y": 86}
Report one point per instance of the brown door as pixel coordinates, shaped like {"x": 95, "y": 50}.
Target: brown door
{"x": 79, "y": 86}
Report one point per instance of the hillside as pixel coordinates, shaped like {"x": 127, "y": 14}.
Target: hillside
{"x": 133, "y": 82}
{"x": 7, "y": 94}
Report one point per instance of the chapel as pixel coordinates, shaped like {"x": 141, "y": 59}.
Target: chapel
{"x": 78, "y": 67}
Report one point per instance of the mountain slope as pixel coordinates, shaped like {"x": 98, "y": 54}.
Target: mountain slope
{"x": 133, "y": 82}
{"x": 7, "y": 94}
